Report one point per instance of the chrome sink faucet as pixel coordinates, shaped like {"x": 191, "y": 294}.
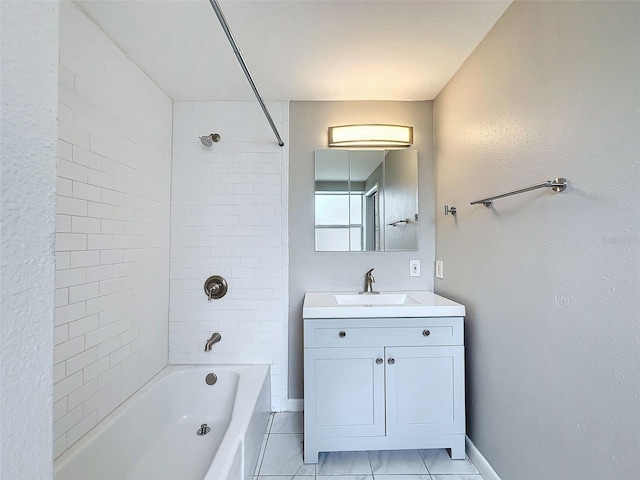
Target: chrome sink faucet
{"x": 368, "y": 282}
{"x": 215, "y": 338}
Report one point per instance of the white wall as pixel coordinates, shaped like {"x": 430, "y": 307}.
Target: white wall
{"x": 29, "y": 38}
{"x": 229, "y": 218}
{"x": 550, "y": 281}
{"x": 112, "y": 228}
{"x": 317, "y": 271}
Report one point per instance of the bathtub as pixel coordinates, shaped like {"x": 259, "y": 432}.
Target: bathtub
{"x": 152, "y": 435}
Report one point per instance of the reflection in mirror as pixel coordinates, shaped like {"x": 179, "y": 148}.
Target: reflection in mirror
{"x": 366, "y": 200}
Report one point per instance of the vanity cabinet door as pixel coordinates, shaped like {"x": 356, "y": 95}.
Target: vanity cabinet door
{"x": 344, "y": 391}
{"x": 425, "y": 390}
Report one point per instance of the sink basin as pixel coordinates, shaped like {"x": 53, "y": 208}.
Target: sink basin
{"x": 403, "y": 304}
{"x": 374, "y": 299}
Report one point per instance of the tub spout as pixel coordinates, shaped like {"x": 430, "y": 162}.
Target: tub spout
{"x": 215, "y": 338}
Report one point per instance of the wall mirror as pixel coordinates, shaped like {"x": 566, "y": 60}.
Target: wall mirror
{"x": 366, "y": 200}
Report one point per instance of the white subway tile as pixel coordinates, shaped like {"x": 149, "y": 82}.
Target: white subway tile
{"x": 63, "y": 223}
{"x": 96, "y": 400}
{"x": 108, "y": 347}
{"x": 82, "y": 427}
{"x": 71, "y": 276}
{"x": 72, "y": 135}
{"x": 100, "y": 242}
{"x": 120, "y": 354}
{"x": 67, "y": 421}
{"x": 99, "y": 210}
{"x": 86, "y": 158}
{"x": 85, "y": 191}
{"x": 110, "y": 376}
{"x": 100, "y": 179}
{"x": 108, "y": 108}
{"x": 68, "y": 349}
{"x": 97, "y": 273}
{"x": 69, "y": 313}
{"x": 59, "y": 445}
{"x": 111, "y": 256}
{"x": 59, "y": 372}
{"x": 82, "y": 326}
{"x": 72, "y": 171}
{"x": 80, "y": 361}
{"x": 84, "y": 258}
{"x": 82, "y": 394}
{"x": 66, "y": 77}
{"x": 82, "y": 292}
{"x": 60, "y": 334}
{"x": 66, "y": 386}
{"x": 94, "y": 337}
{"x": 64, "y": 187}
{"x": 71, "y": 206}
{"x": 60, "y": 409}
{"x": 70, "y": 241}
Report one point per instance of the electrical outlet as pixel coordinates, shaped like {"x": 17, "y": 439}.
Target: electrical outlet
{"x": 439, "y": 269}
{"x": 414, "y": 268}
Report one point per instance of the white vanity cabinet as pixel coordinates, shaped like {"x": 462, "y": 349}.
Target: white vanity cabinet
{"x": 383, "y": 384}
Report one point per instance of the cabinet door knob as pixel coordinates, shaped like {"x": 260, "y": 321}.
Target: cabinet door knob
{"x": 379, "y": 360}
{"x": 342, "y": 334}
{"x": 391, "y": 361}
{"x": 426, "y": 332}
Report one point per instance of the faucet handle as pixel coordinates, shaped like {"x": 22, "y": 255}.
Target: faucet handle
{"x": 369, "y": 272}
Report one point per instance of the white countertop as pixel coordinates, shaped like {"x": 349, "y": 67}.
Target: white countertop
{"x": 418, "y": 303}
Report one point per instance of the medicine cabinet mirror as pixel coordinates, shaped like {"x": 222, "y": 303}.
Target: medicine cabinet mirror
{"x": 366, "y": 200}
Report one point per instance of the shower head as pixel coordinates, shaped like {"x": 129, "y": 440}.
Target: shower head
{"x": 208, "y": 140}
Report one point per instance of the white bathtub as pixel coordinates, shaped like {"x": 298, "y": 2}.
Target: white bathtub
{"x": 152, "y": 435}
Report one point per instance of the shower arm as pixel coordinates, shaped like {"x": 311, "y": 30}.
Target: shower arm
{"x": 243, "y": 65}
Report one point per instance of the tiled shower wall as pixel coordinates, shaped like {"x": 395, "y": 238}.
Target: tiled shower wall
{"x": 229, "y": 218}
{"x": 112, "y": 232}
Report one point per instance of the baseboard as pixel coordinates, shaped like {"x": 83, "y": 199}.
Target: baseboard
{"x": 485, "y": 469}
{"x": 295, "y": 405}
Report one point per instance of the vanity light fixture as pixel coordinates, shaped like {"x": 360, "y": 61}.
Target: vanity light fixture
{"x": 371, "y": 135}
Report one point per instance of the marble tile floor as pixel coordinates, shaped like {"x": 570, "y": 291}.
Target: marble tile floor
{"x": 281, "y": 459}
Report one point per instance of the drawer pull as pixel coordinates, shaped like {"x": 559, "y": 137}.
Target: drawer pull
{"x": 426, "y": 332}
{"x": 342, "y": 334}
{"x": 391, "y": 361}
{"x": 379, "y": 360}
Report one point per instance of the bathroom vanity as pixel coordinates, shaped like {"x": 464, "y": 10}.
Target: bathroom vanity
{"x": 383, "y": 372}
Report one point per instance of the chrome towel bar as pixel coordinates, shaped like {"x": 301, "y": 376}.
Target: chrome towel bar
{"x": 558, "y": 185}
{"x": 398, "y": 222}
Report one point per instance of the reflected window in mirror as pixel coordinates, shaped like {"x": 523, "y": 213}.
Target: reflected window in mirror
{"x": 356, "y": 194}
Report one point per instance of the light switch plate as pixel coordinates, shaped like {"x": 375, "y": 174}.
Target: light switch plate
{"x": 414, "y": 268}
{"x": 439, "y": 269}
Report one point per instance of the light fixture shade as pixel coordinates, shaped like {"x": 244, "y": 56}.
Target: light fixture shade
{"x": 370, "y": 136}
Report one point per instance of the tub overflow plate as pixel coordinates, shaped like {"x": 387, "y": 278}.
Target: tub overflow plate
{"x": 211, "y": 378}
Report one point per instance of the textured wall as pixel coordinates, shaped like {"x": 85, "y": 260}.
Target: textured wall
{"x": 228, "y": 217}
{"x": 550, "y": 281}
{"x": 317, "y": 271}
{"x": 112, "y": 228}
{"x": 27, "y": 196}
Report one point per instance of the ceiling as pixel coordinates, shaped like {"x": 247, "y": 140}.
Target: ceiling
{"x": 299, "y": 49}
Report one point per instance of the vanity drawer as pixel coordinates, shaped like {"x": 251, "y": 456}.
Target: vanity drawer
{"x": 383, "y": 332}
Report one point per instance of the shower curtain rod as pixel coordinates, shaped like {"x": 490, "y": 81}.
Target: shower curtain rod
{"x": 225, "y": 27}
